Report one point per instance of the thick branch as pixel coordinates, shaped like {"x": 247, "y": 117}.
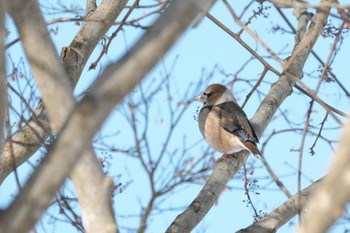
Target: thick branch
{"x": 194, "y": 213}
{"x": 50, "y": 76}
{"x": 329, "y": 200}
{"x": 304, "y": 4}
{"x": 46, "y": 67}
{"x": 223, "y": 171}
{"x": 90, "y": 6}
{"x": 3, "y": 89}
{"x": 74, "y": 57}
{"x": 94, "y": 191}
{"x": 282, "y": 214}
{"x": 117, "y": 81}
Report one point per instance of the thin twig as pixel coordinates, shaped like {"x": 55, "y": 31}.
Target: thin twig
{"x": 318, "y": 135}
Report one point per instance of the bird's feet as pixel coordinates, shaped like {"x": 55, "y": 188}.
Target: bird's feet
{"x": 224, "y": 157}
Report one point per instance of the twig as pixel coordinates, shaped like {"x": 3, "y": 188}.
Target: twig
{"x": 262, "y": 76}
{"x": 250, "y": 202}
{"x": 299, "y": 86}
{"x": 318, "y": 135}
{"x": 114, "y": 34}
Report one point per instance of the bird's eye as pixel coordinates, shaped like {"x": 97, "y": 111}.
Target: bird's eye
{"x": 210, "y": 94}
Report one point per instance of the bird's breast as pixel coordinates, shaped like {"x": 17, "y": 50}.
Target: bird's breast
{"x": 216, "y": 136}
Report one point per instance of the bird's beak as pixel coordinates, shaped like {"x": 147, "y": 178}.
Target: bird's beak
{"x": 201, "y": 98}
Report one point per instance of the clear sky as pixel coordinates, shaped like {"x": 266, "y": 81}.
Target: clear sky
{"x": 200, "y": 51}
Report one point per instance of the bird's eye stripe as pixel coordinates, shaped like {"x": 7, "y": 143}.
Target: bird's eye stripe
{"x": 209, "y": 94}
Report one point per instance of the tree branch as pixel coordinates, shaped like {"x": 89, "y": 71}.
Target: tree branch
{"x": 50, "y": 76}
{"x": 74, "y": 57}
{"x": 46, "y": 67}
{"x": 329, "y": 200}
{"x": 116, "y": 81}
{"x": 304, "y": 4}
{"x": 94, "y": 191}
{"x": 3, "y": 89}
{"x": 90, "y": 7}
{"x": 327, "y": 204}
{"x": 282, "y": 214}
{"x": 194, "y": 213}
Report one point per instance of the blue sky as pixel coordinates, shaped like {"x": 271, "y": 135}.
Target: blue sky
{"x": 198, "y": 51}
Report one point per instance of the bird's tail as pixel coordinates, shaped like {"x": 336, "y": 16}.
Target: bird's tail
{"x": 254, "y": 149}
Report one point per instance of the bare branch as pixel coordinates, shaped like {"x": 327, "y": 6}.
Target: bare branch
{"x": 114, "y": 34}
{"x": 94, "y": 191}
{"x": 225, "y": 169}
{"x": 295, "y": 67}
{"x": 90, "y": 7}
{"x": 344, "y": 15}
{"x": 308, "y": 116}
{"x": 282, "y": 214}
{"x": 303, "y": 17}
{"x": 317, "y": 57}
{"x": 46, "y": 67}
{"x": 271, "y": 68}
{"x": 48, "y": 71}
{"x": 3, "y": 89}
{"x": 327, "y": 204}
{"x": 301, "y": 4}
{"x": 201, "y": 16}
{"x": 74, "y": 57}
{"x": 275, "y": 178}
{"x": 115, "y": 83}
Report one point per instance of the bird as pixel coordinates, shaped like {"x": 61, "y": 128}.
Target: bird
{"x": 223, "y": 123}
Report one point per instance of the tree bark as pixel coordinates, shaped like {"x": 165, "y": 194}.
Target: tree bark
{"x": 282, "y": 214}
{"x": 94, "y": 191}
{"x": 51, "y": 77}
{"x": 226, "y": 169}
{"x": 3, "y": 89}
{"x": 74, "y": 57}
{"x": 328, "y": 202}
{"x": 116, "y": 81}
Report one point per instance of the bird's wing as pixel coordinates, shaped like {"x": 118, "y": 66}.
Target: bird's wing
{"x": 235, "y": 121}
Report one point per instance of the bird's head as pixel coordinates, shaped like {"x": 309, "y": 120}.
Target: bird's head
{"x": 215, "y": 94}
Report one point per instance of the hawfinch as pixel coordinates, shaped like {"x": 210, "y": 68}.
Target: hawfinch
{"x": 223, "y": 123}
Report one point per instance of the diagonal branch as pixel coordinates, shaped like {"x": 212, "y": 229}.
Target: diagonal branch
{"x": 46, "y": 66}
{"x": 74, "y": 57}
{"x": 3, "y": 89}
{"x": 328, "y": 202}
{"x": 282, "y": 214}
{"x": 116, "y": 81}
{"x": 90, "y": 7}
{"x": 94, "y": 191}
{"x": 93, "y": 188}
{"x": 226, "y": 169}
{"x": 237, "y": 37}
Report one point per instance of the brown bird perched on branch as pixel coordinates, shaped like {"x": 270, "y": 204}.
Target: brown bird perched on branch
{"x": 223, "y": 123}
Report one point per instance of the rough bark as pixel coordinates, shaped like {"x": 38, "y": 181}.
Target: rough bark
{"x": 89, "y": 114}
{"x": 282, "y": 214}
{"x": 90, "y": 6}
{"x": 226, "y": 169}
{"x": 50, "y": 75}
{"x": 94, "y": 191}
{"x": 74, "y": 57}
{"x": 45, "y": 64}
{"x": 328, "y": 202}
{"x": 3, "y": 89}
